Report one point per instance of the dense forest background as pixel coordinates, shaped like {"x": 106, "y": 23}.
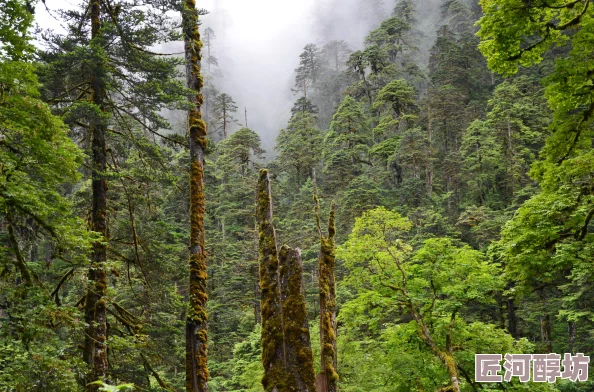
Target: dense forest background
{"x": 455, "y": 142}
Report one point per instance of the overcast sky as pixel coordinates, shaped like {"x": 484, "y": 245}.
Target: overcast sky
{"x": 258, "y": 45}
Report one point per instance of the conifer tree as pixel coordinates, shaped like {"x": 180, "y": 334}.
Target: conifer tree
{"x": 309, "y": 68}
{"x": 107, "y": 83}
{"x": 299, "y": 148}
{"x": 223, "y": 109}
{"x": 95, "y": 351}
{"x": 209, "y": 36}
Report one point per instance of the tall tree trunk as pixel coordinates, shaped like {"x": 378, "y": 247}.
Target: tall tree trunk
{"x": 95, "y": 350}
{"x": 327, "y": 379}
{"x": 196, "y": 328}
{"x": 273, "y": 344}
{"x": 299, "y": 357}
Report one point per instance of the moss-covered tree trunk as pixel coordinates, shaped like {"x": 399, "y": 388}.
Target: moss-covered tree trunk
{"x": 327, "y": 379}
{"x": 95, "y": 349}
{"x": 196, "y": 327}
{"x": 299, "y": 368}
{"x": 446, "y": 356}
{"x": 273, "y": 345}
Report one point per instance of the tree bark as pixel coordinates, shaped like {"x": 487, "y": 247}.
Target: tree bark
{"x": 196, "y": 327}
{"x": 300, "y": 374}
{"x": 445, "y": 356}
{"x": 327, "y": 379}
{"x": 273, "y": 344}
{"x": 95, "y": 349}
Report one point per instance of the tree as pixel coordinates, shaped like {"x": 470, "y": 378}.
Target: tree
{"x": 196, "y": 318}
{"x": 553, "y": 226}
{"x": 286, "y": 349}
{"x": 299, "y": 148}
{"x": 297, "y": 345}
{"x": 242, "y": 147}
{"x": 208, "y": 37}
{"x": 309, "y": 68}
{"x": 457, "y": 91}
{"x": 336, "y": 53}
{"x": 304, "y": 105}
{"x": 105, "y": 81}
{"x": 482, "y": 156}
{"x": 37, "y": 156}
{"x": 347, "y": 143}
{"x": 517, "y": 121}
{"x": 41, "y": 236}
{"x": 223, "y": 109}
{"x": 273, "y": 355}
{"x": 399, "y": 96}
{"x": 233, "y": 245}
{"x": 16, "y": 20}
{"x": 384, "y": 267}
{"x": 95, "y": 352}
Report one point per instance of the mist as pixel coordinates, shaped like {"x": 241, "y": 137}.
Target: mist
{"x": 257, "y": 45}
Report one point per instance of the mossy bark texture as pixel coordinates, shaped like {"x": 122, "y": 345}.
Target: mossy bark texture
{"x": 299, "y": 363}
{"x": 286, "y": 348}
{"x": 273, "y": 347}
{"x": 327, "y": 379}
{"x": 196, "y": 322}
{"x": 95, "y": 349}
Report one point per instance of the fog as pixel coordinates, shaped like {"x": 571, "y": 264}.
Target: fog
{"x": 258, "y": 43}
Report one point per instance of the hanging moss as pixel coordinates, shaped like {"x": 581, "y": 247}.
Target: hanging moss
{"x": 273, "y": 348}
{"x": 328, "y": 326}
{"x": 196, "y": 322}
{"x": 299, "y": 364}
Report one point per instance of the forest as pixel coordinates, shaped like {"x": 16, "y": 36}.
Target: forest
{"x": 430, "y": 197}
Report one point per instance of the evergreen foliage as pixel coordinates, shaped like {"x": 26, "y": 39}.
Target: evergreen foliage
{"x": 451, "y": 152}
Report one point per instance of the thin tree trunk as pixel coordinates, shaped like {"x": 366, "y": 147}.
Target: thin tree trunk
{"x": 95, "y": 349}
{"x": 196, "y": 328}
{"x": 273, "y": 344}
{"x": 224, "y": 123}
{"x": 299, "y": 357}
